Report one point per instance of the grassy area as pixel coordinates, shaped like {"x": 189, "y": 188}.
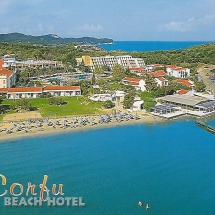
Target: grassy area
{"x": 146, "y": 96}
{"x": 6, "y": 107}
{"x": 74, "y": 106}
{"x": 115, "y": 86}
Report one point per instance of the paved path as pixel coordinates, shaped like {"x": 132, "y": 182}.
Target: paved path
{"x": 206, "y": 76}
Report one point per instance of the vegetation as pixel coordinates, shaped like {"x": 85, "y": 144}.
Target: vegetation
{"x": 186, "y": 57}
{"x": 108, "y": 104}
{"x": 191, "y": 57}
{"x": 56, "y": 101}
{"x": 129, "y": 100}
{"x": 148, "y": 99}
{"x": 118, "y": 72}
{"x": 73, "y": 106}
{"x": 65, "y": 53}
{"x": 49, "y": 39}
{"x": 23, "y": 104}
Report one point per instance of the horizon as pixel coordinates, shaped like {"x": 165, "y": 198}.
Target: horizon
{"x": 110, "y": 38}
{"x": 138, "y": 20}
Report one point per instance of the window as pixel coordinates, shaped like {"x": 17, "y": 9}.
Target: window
{"x": 3, "y": 81}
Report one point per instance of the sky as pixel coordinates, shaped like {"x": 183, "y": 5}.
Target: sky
{"x": 120, "y": 20}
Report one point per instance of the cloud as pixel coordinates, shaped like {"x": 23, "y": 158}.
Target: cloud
{"x": 90, "y": 28}
{"x": 85, "y": 29}
{"x": 174, "y": 26}
{"x": 189, "y": 24}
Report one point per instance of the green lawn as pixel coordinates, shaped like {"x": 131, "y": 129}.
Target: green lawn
{"x": 74, "y": 106}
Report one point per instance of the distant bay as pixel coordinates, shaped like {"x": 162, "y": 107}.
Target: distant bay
{"x": 146, "y": 46}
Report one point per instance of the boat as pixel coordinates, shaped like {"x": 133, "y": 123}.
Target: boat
{"x": 207, "y": 127}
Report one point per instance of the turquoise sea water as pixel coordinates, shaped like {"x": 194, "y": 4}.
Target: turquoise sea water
{"x": 169, "y": 166}
{"x": 145, "y": 46}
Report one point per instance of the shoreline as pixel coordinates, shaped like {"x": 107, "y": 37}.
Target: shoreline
{"x": 49, "y": 130}
{"x": 144, "y": 119}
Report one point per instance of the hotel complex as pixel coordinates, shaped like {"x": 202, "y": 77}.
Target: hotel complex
{"x": 7, "y": 81}
{"x": 19, "y": 65}
{"x": 126, "y": 61}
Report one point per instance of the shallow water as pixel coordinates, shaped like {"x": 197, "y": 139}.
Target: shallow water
{"x": 169, "y": 166}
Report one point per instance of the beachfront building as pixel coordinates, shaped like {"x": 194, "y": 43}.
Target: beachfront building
{"x": 185, "y": 92}
{"x": 63, "y": 90}
{"x": 35, "y": 92}
{"x": 140, "y": 71}
{"x": 137, "y": 83}
{"x": 40, "y": 64}
{"x": 161, "y": 82}
{"x": 152, "y": 67}
{"x": 178, "y": 72}
{"x": 86, "y": 59}
{"x": 126, "y": 61}
{"x": 182, "y": 100}
{"x": 101, "y": 97}
{"x": 137, "y": 105}
{"x": 7, "y": 77}
{"x": 187, "y": 83}
{"x": 9, "y": 62}
{"x": 24, "y": 92}
{"x": 119, "y": 95}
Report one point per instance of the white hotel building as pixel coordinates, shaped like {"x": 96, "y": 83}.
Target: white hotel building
{"x": 126, "y": 61}
{"x": 178, "y": 72}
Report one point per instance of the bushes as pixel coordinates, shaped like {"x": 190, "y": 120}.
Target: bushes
{"x": 23, "y": 104}
{"x": 129, "y": 100}
{"x": 56, "y": 101}
{"x": 45, "y": 95}
{"x": 108, "y": 104}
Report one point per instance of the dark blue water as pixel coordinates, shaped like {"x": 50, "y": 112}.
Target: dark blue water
{"x": 81, "y": 77}
{"x": 145, "y": 46}
{"x": 169, "y": 166}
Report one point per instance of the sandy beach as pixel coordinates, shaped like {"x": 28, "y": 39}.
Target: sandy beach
{"x": 21, "y": 119}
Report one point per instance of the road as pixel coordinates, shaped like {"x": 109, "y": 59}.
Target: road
{"x": 206, "y": 76}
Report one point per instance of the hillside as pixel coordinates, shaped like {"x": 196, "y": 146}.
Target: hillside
{"x": 50, "y": 39}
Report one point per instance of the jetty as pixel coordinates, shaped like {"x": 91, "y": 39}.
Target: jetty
{"x": 207, "y": 127}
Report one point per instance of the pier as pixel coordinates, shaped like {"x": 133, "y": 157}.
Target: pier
{"x": 207, "y": 127}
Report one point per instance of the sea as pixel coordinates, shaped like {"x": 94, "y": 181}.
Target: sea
{"x": 169, "y": 166}
{"x": 146, "y": 46}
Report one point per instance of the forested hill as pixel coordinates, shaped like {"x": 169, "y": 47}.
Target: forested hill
{"x": 50, "y": 39}
{"x": 187, "y": 57}
{"x": 193, "y": 55}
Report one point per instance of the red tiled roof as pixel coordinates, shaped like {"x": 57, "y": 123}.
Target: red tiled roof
{"x": 6, "y": 72}
{"x": 134, "y": 83}
{"x": 184, "y": 82}
{"x": 180, "y": 68}
{"x": 3, "y": 90}
{"x": 161, "y": 79}
{"x": 25, "y": 89}
{"x": 137, "y": 69}
{"x": 1, "y": 63}
{"x": 60, "y": 88}
{"x": 158, "y": 65}
{"x": 183, "y": 92}
{"x": 131, "y": 79}
{"x": 171, "y": 66}
{"x": 158, "y": 73}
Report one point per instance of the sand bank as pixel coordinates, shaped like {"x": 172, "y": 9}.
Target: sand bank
{"x": 50, "y": 130}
